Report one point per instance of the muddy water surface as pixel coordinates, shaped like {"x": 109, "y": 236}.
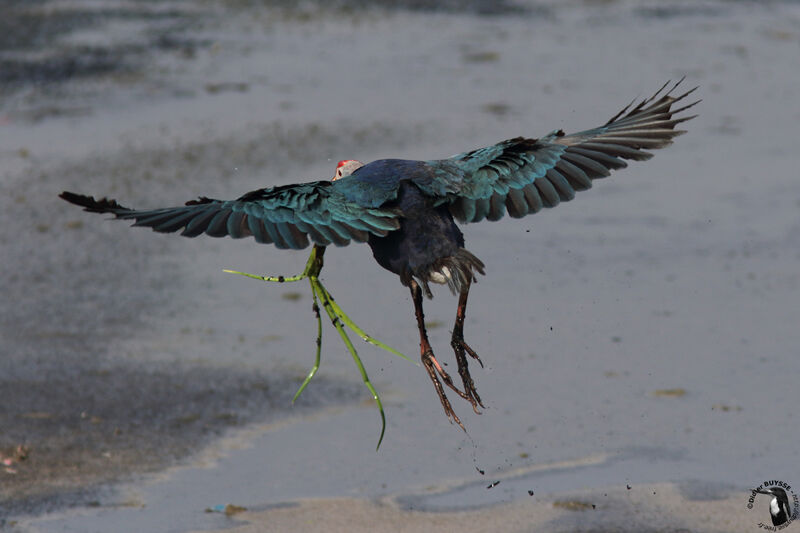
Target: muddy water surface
{"x": 643, "y": 333}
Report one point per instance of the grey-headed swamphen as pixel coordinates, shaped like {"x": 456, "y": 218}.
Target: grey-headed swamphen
{"x": 407, "y": 210}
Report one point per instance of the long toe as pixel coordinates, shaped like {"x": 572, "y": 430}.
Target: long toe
{"x": 472, "y": 353}
{"x": 437, "y": 385}
{"x": 461, "y": 348}
{"x": 429, "y": 357}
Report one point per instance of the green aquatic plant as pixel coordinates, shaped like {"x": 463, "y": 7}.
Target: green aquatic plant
{"x": 338, "y": 318}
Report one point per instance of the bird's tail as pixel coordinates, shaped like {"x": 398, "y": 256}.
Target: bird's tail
{"x": 457, "y": 271}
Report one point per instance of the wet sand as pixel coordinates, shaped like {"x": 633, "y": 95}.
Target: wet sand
{"x": 649, "y": 508}
{"x": 639, "y": 336}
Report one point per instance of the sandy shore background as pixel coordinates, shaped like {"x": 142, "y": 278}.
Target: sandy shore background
{"x": 640, "y": 342}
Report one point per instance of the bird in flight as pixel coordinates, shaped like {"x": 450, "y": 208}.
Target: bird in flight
{"x": 406, "y": 210}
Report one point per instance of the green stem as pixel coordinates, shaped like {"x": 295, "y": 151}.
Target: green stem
{"x": 314, "y": 369}
{"x": 279, "y": 279}
{"x": 360, "y": 332}
{"x": 338, "y": 318}
{"x": 337, "y": 323}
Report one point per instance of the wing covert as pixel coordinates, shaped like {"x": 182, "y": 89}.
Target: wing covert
{"x": 289, "y": 216}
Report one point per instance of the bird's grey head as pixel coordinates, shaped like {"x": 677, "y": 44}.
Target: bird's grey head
{"x": 346, "y": 167}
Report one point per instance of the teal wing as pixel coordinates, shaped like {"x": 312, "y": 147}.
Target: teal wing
{"x": 288, "y": 216}
{"x": 522, "y": 176}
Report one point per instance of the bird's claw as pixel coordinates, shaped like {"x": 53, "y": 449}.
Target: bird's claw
{"x": 428, "y": 356}
{"x": 460, "y": 347}
{"x": 459, "y": 343}
{"x": 433, "y": 367}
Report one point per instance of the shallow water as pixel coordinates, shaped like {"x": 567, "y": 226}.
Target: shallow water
{"x": 679, "y": 274}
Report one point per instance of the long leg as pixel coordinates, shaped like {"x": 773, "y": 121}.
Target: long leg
{"x": 461, "y": 348}
{"x": 429, "y": 360}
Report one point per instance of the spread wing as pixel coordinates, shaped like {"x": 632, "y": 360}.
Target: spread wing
{"x": 524, "y": 175}
{"x": 287, "y": 216}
